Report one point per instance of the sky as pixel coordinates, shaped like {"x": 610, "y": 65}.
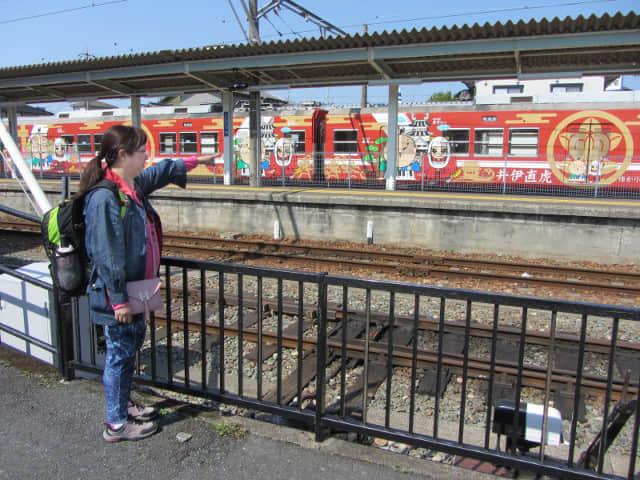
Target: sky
{"x": 41, "y": 31}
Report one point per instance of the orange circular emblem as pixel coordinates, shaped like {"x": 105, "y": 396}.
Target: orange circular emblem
{"x": 590, "y": 147}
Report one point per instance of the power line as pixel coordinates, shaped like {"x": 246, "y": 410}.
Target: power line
{"x": 58, "y": 12}
{"x": 463, "y": 14}
{"x": 484, "y": 12}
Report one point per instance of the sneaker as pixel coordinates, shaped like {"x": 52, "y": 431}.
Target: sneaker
{"x": 132, "y": 430}
{"x": 138, "y": 411}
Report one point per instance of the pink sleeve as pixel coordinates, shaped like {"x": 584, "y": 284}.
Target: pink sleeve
{"x": 191, "y": 163}
{"x": 120, "y": 305}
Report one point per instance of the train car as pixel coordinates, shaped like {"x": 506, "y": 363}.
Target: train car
{"x": 454, "y": 145}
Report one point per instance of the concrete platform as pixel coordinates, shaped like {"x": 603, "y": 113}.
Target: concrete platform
{"x": 597, "y": 230}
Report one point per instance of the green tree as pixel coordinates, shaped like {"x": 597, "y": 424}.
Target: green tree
{"x": 441, "y": 97}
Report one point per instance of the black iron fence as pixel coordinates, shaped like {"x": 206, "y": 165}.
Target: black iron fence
{"x": 518, "y": 382}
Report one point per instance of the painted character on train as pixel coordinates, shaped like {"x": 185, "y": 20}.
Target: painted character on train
{"x": 39, "y": 147}
{"x": 440, "y": 165}
{"x": 588, "y": 148}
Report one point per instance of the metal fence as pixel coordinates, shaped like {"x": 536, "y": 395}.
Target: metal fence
{"x": 558, "y": 175}
{"x": 474, "y": 375}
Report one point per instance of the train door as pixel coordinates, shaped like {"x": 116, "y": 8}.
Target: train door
{"x": 586, "y": 147}
{"x": 318, "y": 127}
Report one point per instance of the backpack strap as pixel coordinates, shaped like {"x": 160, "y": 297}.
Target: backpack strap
{"x": 122, "y": 198}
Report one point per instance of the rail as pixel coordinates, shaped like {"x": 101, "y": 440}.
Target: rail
{"x": 264, "y": 339}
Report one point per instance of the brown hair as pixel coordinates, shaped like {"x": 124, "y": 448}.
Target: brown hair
{"x": 116, "y": 138}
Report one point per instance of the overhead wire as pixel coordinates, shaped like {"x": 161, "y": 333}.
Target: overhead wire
{"x": 266, "y": 17}
{"x": 287, "y": 25}
{"x": 461, "y": 14}
{"x": 58, "y": 12}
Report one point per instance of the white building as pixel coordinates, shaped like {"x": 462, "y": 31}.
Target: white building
{"x": 578, "y": 89}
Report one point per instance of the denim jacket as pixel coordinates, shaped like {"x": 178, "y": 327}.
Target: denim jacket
{"x": 116, "y": 245}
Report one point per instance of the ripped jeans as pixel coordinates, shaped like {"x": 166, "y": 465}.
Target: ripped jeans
{"x": 123, "y": 341}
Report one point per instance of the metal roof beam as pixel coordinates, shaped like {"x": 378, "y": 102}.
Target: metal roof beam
{"x": 112, "y": 86}
{"x": 379, "y": 65}
{"x": 202, "y": 80}
{"x": 50, "y": 92}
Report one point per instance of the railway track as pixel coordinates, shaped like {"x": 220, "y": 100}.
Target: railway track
{"x": 355, "y": 346}
{"x": 411, "y": 265}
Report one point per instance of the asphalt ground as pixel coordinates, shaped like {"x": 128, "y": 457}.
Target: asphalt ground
{"x": 52, "y": 429}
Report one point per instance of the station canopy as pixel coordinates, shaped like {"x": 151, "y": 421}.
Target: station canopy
{"x": 598, "y": 45}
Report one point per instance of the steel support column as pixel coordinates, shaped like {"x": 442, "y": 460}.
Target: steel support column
{"x": 392, "y": 138}
{"x": 254, "y": 139}
{"x": 136, "y": 111}
{"x": 227, "y": 112}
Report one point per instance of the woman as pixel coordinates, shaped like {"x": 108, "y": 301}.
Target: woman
{"x": 124, "y": 245}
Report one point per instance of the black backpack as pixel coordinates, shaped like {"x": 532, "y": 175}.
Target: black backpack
{"x": 63, "y": 230}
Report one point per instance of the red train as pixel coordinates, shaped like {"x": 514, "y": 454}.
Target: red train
{"x": 455, "y": 144}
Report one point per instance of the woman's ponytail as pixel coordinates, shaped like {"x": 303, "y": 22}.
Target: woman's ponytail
{"x": 115, "y": 138}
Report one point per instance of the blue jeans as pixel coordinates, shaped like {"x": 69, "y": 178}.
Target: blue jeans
{"x": 123, "y": 341}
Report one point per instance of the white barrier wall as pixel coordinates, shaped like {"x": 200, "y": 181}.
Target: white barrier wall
{"x": 28, "y": 309}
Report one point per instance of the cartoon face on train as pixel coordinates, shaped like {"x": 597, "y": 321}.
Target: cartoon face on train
{"x": 39, "y": 146}
{"x": 597, "y": 147}
{"x": 439, "y": 153}
{"x": 588, "y": 147}
{"x": 283, "y": 151}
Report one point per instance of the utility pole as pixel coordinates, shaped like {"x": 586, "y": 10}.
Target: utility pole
{"x": 254, "y": 26}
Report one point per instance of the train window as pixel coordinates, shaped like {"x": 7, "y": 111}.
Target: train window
{"x": 97, "y": 141}
{"x": 566, "y": 87}
{"x": 84, "y": 144}
{"x": 167, "y": 143}
{"x": 345, "y": 141}
{"x": 523, "y": 142}
{"x": 209, "y": 143}
{"x": 188, "y": 142}
{"x": 508, "y": 89}
{"x": 298, "y": 139}
{"x": 69, "y": 140}
{"x": 458, "y": 140}
{"x": 488, "y": 141}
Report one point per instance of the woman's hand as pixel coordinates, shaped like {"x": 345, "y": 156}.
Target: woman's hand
{"x": 123, "y": 314}
{"x": 207, "y": 159}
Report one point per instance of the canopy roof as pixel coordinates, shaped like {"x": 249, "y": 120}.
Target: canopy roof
{"x": 595, "y": 45}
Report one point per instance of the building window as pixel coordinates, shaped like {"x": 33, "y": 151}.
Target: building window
{"x": 507, "y": 89}
{"x": 167, "y": 143}
{"x": 458, "y": 140}
{"x": 188, "y": 142}
{"x": 523, "y": 142}
{"x": 345, "y": 141}
{"x": 566, "y": 88}
{"x": 297, "y": 139}
{"x": 488, "y": 142}
{"x": 84, "y": 144}
{"x": 209, "y": 143}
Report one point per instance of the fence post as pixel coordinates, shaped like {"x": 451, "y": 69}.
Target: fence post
{"x": 62, "y": 319}
{"x": 322, "y": 355}
{"x": 66, "y": 192}
{"x": 504, "y": 177}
